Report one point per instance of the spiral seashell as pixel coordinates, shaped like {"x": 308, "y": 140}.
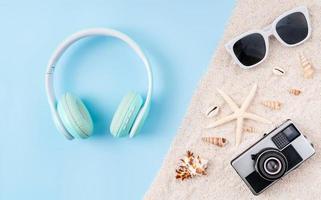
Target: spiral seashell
{"x": 219, "y": 141}
{"x": 249, "y": 129}
{"x": 273, "y": 105}
{"x": 212, "y": 111}
{"x": 183, "y": 173}
{"x": 278, "y": 71}
{"x": 191, "y": 166}
{"x": 295, "y": 92}
{"x": 307, "y": 67}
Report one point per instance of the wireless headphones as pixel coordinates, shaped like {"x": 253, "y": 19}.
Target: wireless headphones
{"x": 71, "y": 116}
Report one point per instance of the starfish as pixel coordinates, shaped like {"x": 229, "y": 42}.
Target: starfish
{"x": 239, "y": 114}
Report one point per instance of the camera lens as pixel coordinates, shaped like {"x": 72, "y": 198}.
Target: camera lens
{"x": 271, "y": 164}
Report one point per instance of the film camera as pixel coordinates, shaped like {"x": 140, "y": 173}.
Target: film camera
{"x": 272, "y": 157}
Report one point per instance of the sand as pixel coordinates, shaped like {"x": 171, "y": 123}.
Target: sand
{"x": 222, "y": 182}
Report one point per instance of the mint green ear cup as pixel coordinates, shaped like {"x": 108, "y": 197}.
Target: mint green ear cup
{"x": 75, "y": 116}
{"x": 135, "y": 130}
{"x": 126, "y": 114}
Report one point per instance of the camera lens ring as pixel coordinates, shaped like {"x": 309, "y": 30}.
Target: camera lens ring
{"x": 269, "y": 165}
{"x": 261, "y": 164}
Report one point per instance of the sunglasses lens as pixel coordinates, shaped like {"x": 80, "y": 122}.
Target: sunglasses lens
{"x": 250, "y": 50}
{"x": 293, "y": 28}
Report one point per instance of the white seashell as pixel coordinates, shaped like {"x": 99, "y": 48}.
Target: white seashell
{"x": 278, "y": 71}
{"x": 295, "y": 92}
{"x": 218, "y": 141}
{"x": 212, "y": 111}
{"x": 307, "y": 67}
{"x": 249, "y": 129}
{"x": 273, "y": 105}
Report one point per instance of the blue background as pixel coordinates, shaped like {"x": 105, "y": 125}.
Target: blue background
{"x": 36, "y": 162}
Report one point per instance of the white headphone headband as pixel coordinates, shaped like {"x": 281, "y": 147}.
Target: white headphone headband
{"x": 74, "y": 38}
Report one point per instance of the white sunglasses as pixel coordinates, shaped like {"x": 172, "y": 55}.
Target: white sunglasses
{"x": 251, "y": 48}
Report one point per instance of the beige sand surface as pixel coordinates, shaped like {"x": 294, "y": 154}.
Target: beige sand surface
{"x": 222, "y": 182}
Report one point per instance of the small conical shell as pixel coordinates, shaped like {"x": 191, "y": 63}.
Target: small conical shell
{"x": 295, "y": 92}
{"x": 307, "y": 67}
{"x": 274, "y": 105}
{"x": 249, "y": 129}
{"x": 219, "y": 141}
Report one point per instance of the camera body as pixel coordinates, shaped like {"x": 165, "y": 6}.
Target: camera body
{"x": 272, "y": 157}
